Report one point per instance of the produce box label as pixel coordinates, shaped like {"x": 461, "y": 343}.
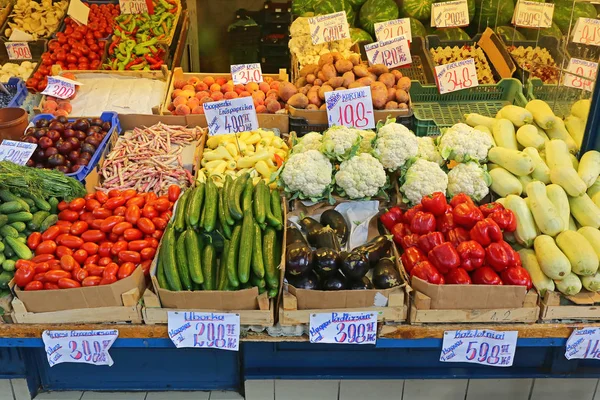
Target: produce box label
{"x": 582, "y": 76}
{"x": 587, "y": 31}
{"x": 231, "y": 116}
{"x": 450, "y": 14}
{"x": 329, "y": 27}
{"x": 204, "y": 330}
{"x": 351, "y": 107}
{"x": 480, "y": 346}
{"x": 391, "y": 53}
{"x": 18, "y": 50}
{"x": 343, "y": 328}
{"x": 455, "y": 76}
{"x": 531, "y": 14}
{"x": 394, "y": 28}
{"x": 16, "y": 152}
{"x": 60, "y": 87}
{"x": 133, "y": 6}
{"x": 584, "y": 343}
{"x": 89, "y": 347}
{"x": 244, "y": 73}
{"x": 78, "y": 11}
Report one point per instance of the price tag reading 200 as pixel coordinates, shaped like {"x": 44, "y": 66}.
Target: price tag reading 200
{"x": 343, "y": 328}
{"x": 231, "y": 116}
{"x": 455, "y": 76}
{"x": 88, "y": 347}
{"x": 352, "y": 108}
{"x": 480, "y": 346}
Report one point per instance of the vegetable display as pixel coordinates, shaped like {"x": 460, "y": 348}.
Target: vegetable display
{"x": 447, "y": 55}
{"x": 10, "y": 70}
{"x": 39, "y": 20}
{"x": 536, "y": 60}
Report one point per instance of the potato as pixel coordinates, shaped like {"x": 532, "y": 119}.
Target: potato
{"x": 404, "y": 83}
{"x": 378, "y": 69}
{"x": 326, "y": 59}
{"x": 354, "y": 58}
{"x": 313, "y": 97}
{"x": 391, "y": 105}
{"x": 403, "y": 106}
{"x": 308, "y": 69}
{"x": 372, "y": 76}
{"x": 318, "y": 82}
{"x": 388, "y": 79}
{"x": 401, "y": 96}
{"x": 397, "y": 74}
{"x": 273, "y": 105}
{"x": 305, "y": 89}
{"x": 321, "y": 76}
{"x": 366, "y": 81}
{"x": 312, "y": 107}
{"x": 298, "y": 101}
{"x": 340, "y": 88}
{"x": 360, "y": 71}
{"x": 324, "y": 89}
{"x": 310, "y": 78}
{"x": 337, "y": 56}
{"x": 355, "y": 85}
{"x": 329, "y": 72}
{"x": 301, "y": 82}
{"x": 379, "y": 94}
{"x": 323, "y": 107}
{"x": 348, "y": 78}
{"x": 336, "y": 82}
{"x": 391, "y": 94}
{"x": 287, "y": 90}
{"x": 343, "y": 66}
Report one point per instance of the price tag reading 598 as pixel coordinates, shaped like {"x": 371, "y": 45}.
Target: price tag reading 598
{"x": 480, "y": 346}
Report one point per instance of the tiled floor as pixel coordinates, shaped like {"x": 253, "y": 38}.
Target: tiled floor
{"x": 417, "y": 389}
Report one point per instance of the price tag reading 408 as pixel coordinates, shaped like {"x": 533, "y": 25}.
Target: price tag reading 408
{"x": 18, "y": 50}
{"x": 343, "y": 328}
{"x": 231, "y": 116}
{"x": 352, "y": 108}
{"x": 455, "y": 76}
{"x": 480, "y": 346}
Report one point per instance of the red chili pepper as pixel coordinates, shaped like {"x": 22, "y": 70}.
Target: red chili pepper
{"x": 489, "y": 208}
{"x": 461, "y": 198}
{"x": 138, "y": 60}
{"x": 151, "y": 60}
{"x": 408, "y": 215}
{"x": 485, "y": 276}
{"x": 445, "y": 222}
{"x": 500, "y": 255}
{"x": 485, "y": 232}
{"x": 157, "y": 65}
{"x": 444, "y": 257}
{"x": 389, "y": 219}
{"x": 427, "y": 242}
{"x": 505, "y": 219}
{"x": 458, "y": 276}
{"x": 399, "y": 231}
{"x": 409, "y": 241}
{"x": 435, "y": 203}
{"x": 466, "y": 215}
{"x": 472, "y": 255}
{"x": 516, "y": 276}
{"x": 457, "y": 236}
{"x": 426, "y": 271}
{"x": 411, "y": 257}
{"x": 422, "y": 223}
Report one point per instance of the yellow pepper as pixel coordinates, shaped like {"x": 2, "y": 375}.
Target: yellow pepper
{"x": 220, "y": 153}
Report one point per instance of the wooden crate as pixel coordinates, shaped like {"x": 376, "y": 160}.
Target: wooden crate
{"x": 422, "y": 313}
{"x": 395, "y": 311}
{"x": 581, "y": 307}
{"x": 153, "y": 312}
{"x": 130, "y": 312}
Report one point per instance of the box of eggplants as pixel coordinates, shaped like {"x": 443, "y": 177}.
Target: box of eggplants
{"x": 334, "y": 261}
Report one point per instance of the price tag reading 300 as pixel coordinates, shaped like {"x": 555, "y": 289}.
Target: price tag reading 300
{"x": 231, "y": 116}
{"x": 352, "y": 108}
{"x": 18, "y": 50}
{"x": 204, "y": 330}
{"x": 455, "y": 76}
{"x": 486, "y": 347}
{"x": 88, "y": 347}
{"x": 343, "y": 328}
{"x": 59, "y": 87}
{"x": 391, "y": 53}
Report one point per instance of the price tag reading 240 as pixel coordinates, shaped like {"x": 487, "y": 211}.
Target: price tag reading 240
{"x": 88, "y": 347}
{"x": 480, "y": 346}
{"x": 204, "y": 330}
{"x": 231, "y": 116}
{"x": 391, "y": 53}
{"x": 18, "y": 50}
{"x": 455, "y": 76}
{"x": 352, "y": 108}
{"x": 343, "y": 328}
{"x": 244, "y": 73}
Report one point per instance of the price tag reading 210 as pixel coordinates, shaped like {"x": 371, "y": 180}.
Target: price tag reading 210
{"x": 352, "y": 108}
{"x": 456, "y": 76}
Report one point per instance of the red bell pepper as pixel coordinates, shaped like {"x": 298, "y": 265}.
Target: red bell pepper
{"x": 461, "y": 198}
{"x": 457, "y": 236}
{"x": 505, "y": 219}
{"x": 424, "y": 270}
{"x": 445, "y": 222}
{"x": 435, "y": 203}
{"x": 472, "y": 255}
{"x": 409, "y": 241}
{"x": 399, "y": 231}
{"x": 444, "y": 257}
{"x": 485, "y": 232}
{"x": 411, "y": 257}
{"x": 516, "y": 276}
{"x": 489, "y": 208}
{"x": 422, "y": 223}
{"x": 485, "y": 276}
{"x": 466, "y": 215}
{"x": 458, "y": 276}
{"x": 427, "y": 242}
{"x": 500, "y": 255}
{"x": 391, "y": 218}
{"x": 410, "y": 213}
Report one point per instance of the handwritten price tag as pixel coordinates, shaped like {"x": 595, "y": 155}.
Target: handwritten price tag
{"x": 455, "y": 76}
{"x": 394, "y": 28}
{"x": 89, "y": 347}
{"x": 391, "y": 53}
{"x": 244, "y": 73}
{"x": 585, "y": 74}
{"x": 133, "y": 6}
{"x": 329, "y": 27}
{"x": 204, "y": 330}
{"x": 343, "y": 328}
{"x": 587, "y": 31}
{"x": 450, "y": 14}
{"x": 231, "y": 116}
{"x": 352, "y": 108}
{"x": 531, "y": 14}
{"x": 486, "y": 347}
{"x": 583, "y": 343}
{"x": 18, "y": 50}
{"x": 16, "y": 152}
{"x": 60, "y": 87}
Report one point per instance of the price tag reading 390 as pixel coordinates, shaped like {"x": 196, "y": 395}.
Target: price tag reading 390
{"x": 88, "y": 347}
{"x": 394, "y": 28}
{"x": 352, "y": 108}
{"x": 343, "y": 328}
{"x": 244, "y": 73}
{"x": 455, "y": 76}
{"x": 231, "y": 116}
{"x": 450, "y": 14}
{"x": 18, "y": 50}
{"x": 59, "y": 87}
{"x": 16, "y": 152}
{"x": 480, "y": 346}
{"x": 204, "y": 330}
{"x": 391, "y": 53}
{"x": 584, "y": 74}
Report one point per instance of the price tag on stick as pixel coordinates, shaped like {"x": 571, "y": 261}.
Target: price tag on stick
{"x": 16, "y": 152}
{"x": 391, "y": 53}
{"x": 351, "y": 107}
{"x": 394, "y": 28}
{"x": 204, "y": 330}
{"x": 329, "y": 27}
{"x": 587, "y": 31}
{"x": 244, "y": 73}
{"x": 133, "y": 6}
{"x": 480, "y": 346}
{"x": 60, "y": 87}
{"x": 450, "y": 14}
{"x": 88, "y": 347}
{"x": 583, "y": 74}
{"x": 343, "y": 328}
{"x": 455, "y": 76}
{"x": 231, "y": 116}
{"x": 583, "y": 343}
{"x": 532, "y": 14}
{"x": 18, "y": 50}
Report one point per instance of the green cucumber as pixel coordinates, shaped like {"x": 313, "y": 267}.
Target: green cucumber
{"x": 6, "y": 196}
{"x": 222, "y": 218}
{"x": 192, "y": 251}
{"x": 258, "y": 282}
{"x": 247, "y": 195}
{"x": 182, "y": 265}
{"x": 209, "y": 219}
{"x": 36, "y": 221}
{"x": 269, "y": 243}
{"x": 21, "y": 216}
{"x": 8, "y": 231}
{"x": 40, "y": 203}
{"x": 196, "y": 205}
{"x": 170, "y": 260}
{"x": 18, "y": 225}
{"x": 20, "y": 249}
{"x": 2, "y": 257}
{"x": 209, "y": 265}
{"x": 180, "y": 211}
{"x": 232, "y": 256}
{"x": 53, "y": 205}
{"x": 235, "y": 207}
{"x": 160, "y": 274}
{"x": 226, "y": 193}
{"x": 30, "y": 202}
{"x": 11, "y": 207}
{"x": 271, "y": 219}
{"x": 272, "y": 293}
{"x": 246, "y": 244}
{"x": 49, "y": 221}
{"x": 9, "y": 252}
{"x": 276, "y": 211}
{"x": 3, "y": 220}
{"x": 8, "y": 265}
{"x": 259, "y": 203}
{"x": 258, "y": 266}
{"x": 222, "y": 280}
{"x": 5, "y": 277}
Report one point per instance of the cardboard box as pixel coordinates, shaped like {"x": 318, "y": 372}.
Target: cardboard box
{"x": 495, "y": 50}
{"x": 319, "y": 117}
{"x": 83, "y": 297}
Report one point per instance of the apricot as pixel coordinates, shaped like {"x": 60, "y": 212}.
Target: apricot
{"x": 264, "y": 87}
{"x": 202, "y": 94}
{"x": 50, "y": 106}
{"x": 228, "y": 87}
{"x": 193, "y": 81}
{"x": 216, "y": 96}
{"x": 230, "y": 95}
{"x": 171, "y": 107}
{"x": 273, "y": 106}
{"x": 239, "y": 88}
{"x": 215, "y": 87}
{"x": 188, "y": 93}
{"x": 261, "y": 109}
{"x": 258, "y": 95}
{"x": 179, "y": 84}
{"x": 201, "y": 86}
{"x": 206, "y": 99}
{"x": 273, "y": 92}
{"x": 176, "y": 93}
{"x": 245, "y": 94}
{"x": 193, "y": 102}
{"x": 61, "y": 113}
{"x": 188, "y": 87}
{"x": 275, "y": 85}
{"x": 251, "y": 87}
{"x": 182, "y": 109}
{"x": 65, "y": 105}
{"x": 180, "y": 100}
{"x": 258, "y": 102}
{"x": 198, "y": 110}
{"x": 209, "y": 80}
{"x": 221, "y": 81}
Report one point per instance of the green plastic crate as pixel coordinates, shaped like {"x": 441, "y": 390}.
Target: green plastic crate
{"x": 434, "y": 111}
{"x": 559, "y": 98}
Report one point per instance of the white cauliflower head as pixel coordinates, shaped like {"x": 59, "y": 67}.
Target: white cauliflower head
{"x": 469, "y": 178}
{"x": 395, "y": 145}
{"x": 310, "y": 141}
{"x": 361, "y": 176}
{"x": 366, "y": 142}
{"x": 340, "y": 143}
{"x": 423, "y": 178}
{"x": 307, "y": 175}
{"x": 428, "y": 151}
{"x": 463, "y": 143}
